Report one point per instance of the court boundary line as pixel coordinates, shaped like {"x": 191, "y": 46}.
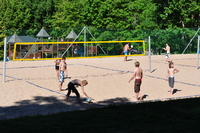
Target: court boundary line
{"x": 132, "y": 72}
{"x": 36, "y": 85}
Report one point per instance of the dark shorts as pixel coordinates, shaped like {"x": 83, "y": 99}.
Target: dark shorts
{"x": 72, "y": 88}
{"x": 56, "y": 67}
{"x": 138, "y": 83}
{"x": 171, "y": 82}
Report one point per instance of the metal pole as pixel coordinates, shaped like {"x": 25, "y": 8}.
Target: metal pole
{"x": 4, "y": 60}
{"x": 85, "y": 41}
{"x": 191, "y": 40}
{"x": 197, "y": 62}
{"x": 149, "y": 54}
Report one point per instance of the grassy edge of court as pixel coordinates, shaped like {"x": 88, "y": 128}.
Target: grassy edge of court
{"x": 161, "y": 116}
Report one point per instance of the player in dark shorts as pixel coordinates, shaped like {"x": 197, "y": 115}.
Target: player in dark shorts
{"x": 137, "y": 75}
{"x": 170, "y": 76}
{"x": 56, "y": 67}
{"x": 138, "y": 83}
{"x": 57, "y": 62}
{"x": 71, "y": 87}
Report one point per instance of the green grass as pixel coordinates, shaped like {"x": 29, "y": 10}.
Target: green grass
{"x": 176, "y": 116}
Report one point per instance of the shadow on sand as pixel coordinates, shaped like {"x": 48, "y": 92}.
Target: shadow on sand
{"x": 40, "y": 105}
{"x": 175, "y": 91}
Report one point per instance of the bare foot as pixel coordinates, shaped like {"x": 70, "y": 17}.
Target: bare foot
{"x": 172, "y": 92}
{"x": 141, "y": 98}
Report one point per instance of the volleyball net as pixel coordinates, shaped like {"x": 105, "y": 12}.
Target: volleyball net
{"x": 54, "y": 50}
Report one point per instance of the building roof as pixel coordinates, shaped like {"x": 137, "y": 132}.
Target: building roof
{"x": 14, "y": 38}
{"x": 21, "y": 39}
{"x": 72, "y": 34}
{"x": 42, "y": 33}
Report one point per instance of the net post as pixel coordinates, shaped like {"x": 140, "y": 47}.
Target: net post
{"x": 149, "y": 54}
{"x": 85, "y": 41}
{"x": 191, "y": 41}
{"x": 197, "y": 59}
{"x": 4, "y": 60}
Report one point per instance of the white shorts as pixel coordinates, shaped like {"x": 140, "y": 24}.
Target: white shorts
{"x": 167, "y": 55}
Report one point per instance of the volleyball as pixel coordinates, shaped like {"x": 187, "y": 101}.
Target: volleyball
{"x": 88, "y": 99}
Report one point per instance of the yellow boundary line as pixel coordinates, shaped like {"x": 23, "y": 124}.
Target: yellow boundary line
{"x": 80, "y": 57}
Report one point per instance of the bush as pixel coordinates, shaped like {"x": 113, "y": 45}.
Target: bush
{"x": 1, "y": 54}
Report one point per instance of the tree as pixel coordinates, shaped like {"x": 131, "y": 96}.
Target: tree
{"x": 68, "y": 14}
{"x": 181, "y": 13}
{"x": 26, "y": 14}
{"x": 14, "y": 14}
{"x": 2, "y": 36}
{"x": 144, "y": 12}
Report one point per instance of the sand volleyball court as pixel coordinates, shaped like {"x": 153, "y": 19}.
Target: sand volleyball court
{"x": 31, "y": 86}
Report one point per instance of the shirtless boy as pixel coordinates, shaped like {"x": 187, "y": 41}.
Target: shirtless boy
{"x": 167, "y": 49}
{"x": 138, "y": 74}
{"x": 62, "y": 70}
{"x": 170, "y": 76}
{"x": 71, "y": 87}
{"x": 126, "y": 49}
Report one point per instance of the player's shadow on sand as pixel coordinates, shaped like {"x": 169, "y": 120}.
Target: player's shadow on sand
{"x": 175, "y": 91}
{"x": 117, "y": 100}
{"x": 129, "y": 59}
{"x": 153, "y": 70}
{"x": 144, "y": 96}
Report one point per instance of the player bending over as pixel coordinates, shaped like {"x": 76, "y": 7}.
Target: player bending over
{"x": 71, "y": 87}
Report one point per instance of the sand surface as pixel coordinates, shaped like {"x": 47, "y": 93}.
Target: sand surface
{"x": 31, "y": 86}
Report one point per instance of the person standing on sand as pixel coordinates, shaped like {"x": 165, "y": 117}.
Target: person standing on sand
{"x": 62, "y": 70}
{"x": 57, "y": 62}
{"x": 170, "y": 76}
{"x": 167, "y": 49}
{"x": 126, "y": 49}
{"x": 138, "y": 74}
{"x": 71, "y": 87}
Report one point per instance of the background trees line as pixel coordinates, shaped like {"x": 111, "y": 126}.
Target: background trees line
{"x": 164, "y": 20}
{"x": 109, "y": 14}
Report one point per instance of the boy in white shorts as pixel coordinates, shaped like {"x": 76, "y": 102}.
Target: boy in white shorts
{"x": 167, "y": 49}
